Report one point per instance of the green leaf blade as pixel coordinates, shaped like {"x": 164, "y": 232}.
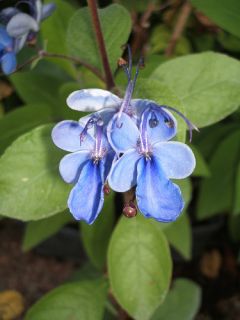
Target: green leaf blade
{"x": 139, "y": 265}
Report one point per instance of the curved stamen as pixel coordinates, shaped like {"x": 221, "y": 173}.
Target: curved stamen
{"x": 190, "y": 125}
{"x": 126, "y": 102}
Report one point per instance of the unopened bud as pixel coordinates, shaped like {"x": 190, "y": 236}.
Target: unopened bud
{"x": 106, "y": 189}
{"x": 130, "y": 210}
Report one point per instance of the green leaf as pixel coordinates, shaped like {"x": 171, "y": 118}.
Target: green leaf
{"x": 186, "y": 188}
{"x": 160, "y": 93}
{"x": 21, "y": 120}
{"x": 76, "y": 300}
{"x": 224, "y": 13}
{"x": 139, "y": 266}
{"x": 182, "y": 302}
{"x": 216, "y": 192}
{"x": 54, "y": 30}
{"x": 32, "y": 87}
{"x": 96, "y": 236}
{"x": 236, "y": 203}
{"x": 179, "y": 235}
{"x": 38, "y": 231}
{"x": 81, "y": 40}
{"x": 201, "y": 169}
{"x": 207, "y": 84}
{"x": 30, "y": 184}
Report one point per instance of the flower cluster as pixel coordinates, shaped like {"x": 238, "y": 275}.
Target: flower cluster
{"x": 125, "y": 143}
{"x": 18, "y": 27}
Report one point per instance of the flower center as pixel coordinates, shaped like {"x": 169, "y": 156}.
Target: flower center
{"x": 144, "y": 145}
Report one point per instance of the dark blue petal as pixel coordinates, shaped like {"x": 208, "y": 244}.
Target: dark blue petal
{"x": 86, "y": 198}
{"x": 123, "y": 133}
{"x": 47, "y": 10}
{"x": 8, "y": 62}
{"x": 66, "y": 136}
{"x": 176, "y": 158}
{"x": 71, "y": 165}
{"x": 107, "y": 163}
{"x": 157, "y": 197}
{"x": 5, "y": 40}
{"x": 124, "y": 172}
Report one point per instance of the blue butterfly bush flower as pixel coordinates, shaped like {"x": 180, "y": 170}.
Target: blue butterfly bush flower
{"x": 136, "y": 152}
{"x": 18, "y": 28}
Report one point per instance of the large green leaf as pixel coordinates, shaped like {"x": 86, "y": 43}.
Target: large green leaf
{"x": 21, "y": 120}
{"x": 139, "y": 266}
{"x": 224, "y": 13}
{"x": 182, "y": 302}
{"x": 201, "y": 169}
{"x": 30, "y": 185}
{"x": 96, "y": 236}
{"x": 38, "y": 231}
{"x": 54, "y": 31}
{"x": 216, "y": 192}
{"x": 207, "y": 84}
{"x": 159, "y": 92}
{"x": 37, "y": 88}
{"x": 81, "y": 40}
{"x": 76, "y": 301}
{"x": 179, "y": 235}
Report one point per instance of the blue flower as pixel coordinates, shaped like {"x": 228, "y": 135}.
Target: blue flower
{"x": 7, "y": 54}
{"x": 149, "y": 161}
{"x": 87, "y": 167}
{"x": 23, "y": 26}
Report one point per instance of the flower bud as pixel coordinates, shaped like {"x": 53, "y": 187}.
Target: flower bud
{"x": 130, "y": 210}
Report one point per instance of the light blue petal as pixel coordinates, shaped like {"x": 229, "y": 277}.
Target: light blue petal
{"x": 8, "y": 62}
{"x": 176, "y": 158}
{"x": 166, "y": 128}
{"x": 47, "y": 10}
{"x": 20, "y": 42}
{"x": 124, "y": 172}
{"x": 72, "y": 164}
{"x": 66, "y": 136}
{"x": 86, "y": 198}
{"x": 5, "y": 40}
{"x": 122, "y": 133}
{"x": 21, "y": 24}
{"x": 92, "y": 100}
{"x": 157, "y": 197}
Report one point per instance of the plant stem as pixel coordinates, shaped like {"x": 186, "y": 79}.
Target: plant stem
{"x": 179, "y": 27}
{"x": 101, "y": 44}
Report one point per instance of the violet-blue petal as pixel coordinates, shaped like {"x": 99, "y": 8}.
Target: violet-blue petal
{"x": 5, "y": 40}
{"x": 66, "y": 136}
{"x": 71, "y": 165}
{"x": 157, "y": 197}
{"x": 47, "y": 10}
{"x": 86, "y": 198}
{"x": 124, "y": 172}
{"x": 122, "y": 133}
{"x": 21, "y": 24}
{"x": 176, "y": 158}
{"x": 92, "y": 100}
{"x": 9, "y": 62}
